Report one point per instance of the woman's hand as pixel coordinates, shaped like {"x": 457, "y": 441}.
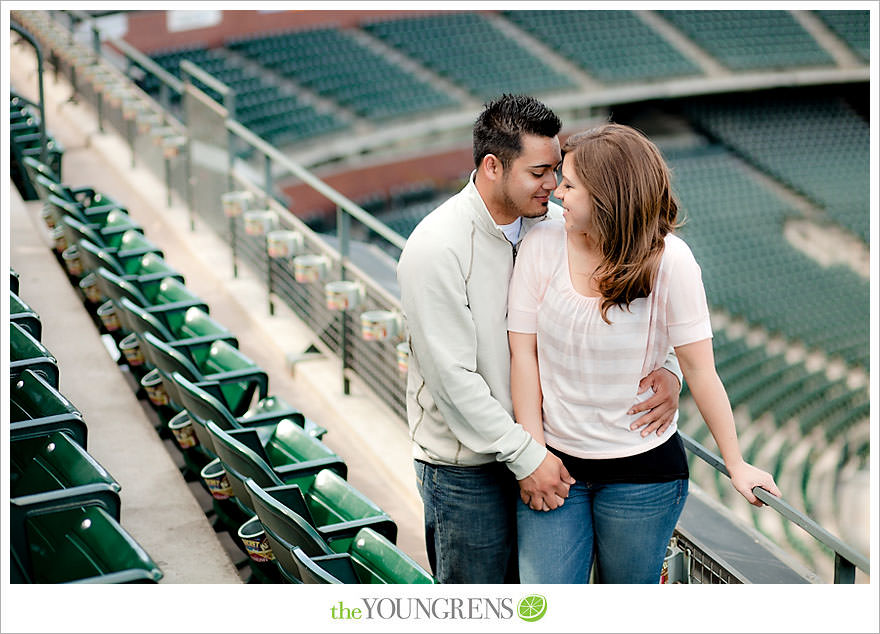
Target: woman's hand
{"x": 745, "y": 477}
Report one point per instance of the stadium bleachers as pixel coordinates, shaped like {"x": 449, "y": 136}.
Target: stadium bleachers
{"x": 817, "y": 146}
{"x": 260, "y": 105}
{"x": 612, "y": 46}
{"x": 747, "y": 40}
{"x": 852, "y": 27}
{"x": 735, "y": 228}
{"x": 335, "y": 65}
{"x": 469, "y": 51}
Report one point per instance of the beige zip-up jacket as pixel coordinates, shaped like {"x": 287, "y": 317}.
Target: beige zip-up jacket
{"x": 454, "y": 274}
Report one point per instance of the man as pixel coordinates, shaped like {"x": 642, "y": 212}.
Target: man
{"x": 454, "y": 274}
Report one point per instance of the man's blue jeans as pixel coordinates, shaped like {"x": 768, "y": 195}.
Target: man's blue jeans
{"x": 470, "y": 522}
{"x": 625, "y": 526}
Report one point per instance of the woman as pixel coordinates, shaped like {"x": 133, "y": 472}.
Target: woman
{"x": 595, "y": 302}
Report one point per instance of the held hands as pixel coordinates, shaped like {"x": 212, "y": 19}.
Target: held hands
{"x": 661, "y": 407}
{"x": 745, "y": 477}
{"x": 547, "y": 486}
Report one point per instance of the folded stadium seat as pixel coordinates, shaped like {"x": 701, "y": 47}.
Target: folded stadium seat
{"x": 282, "y": 453}
{"x": 237, "y": 378}
{"x": 26, "y": 353}
{"x": 284, "y": 449}
{"x": 24, "y": 316}
{"x": 374, "y": 558}
{"x": 55, "y": 467}
{"x": 74, "y": 541}
{"x": 127, "y": 258}
{"x": 370, "y": 560}
{"x": 26, "y": 144}
{"x": 55, "y": 210}
{"x": 86, "y": 198}
{"x": 191, "y": 324}
{"x": 36, "y": 408}
{"x": 109, "y": 235}
{"x": 204, "y": 401}
{"x": 158, "y": 291}
{"x": 14, "y": 280}
{"x": 334, "y": 508}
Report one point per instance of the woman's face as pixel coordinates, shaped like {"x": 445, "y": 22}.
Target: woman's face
{"x": 576, "y": 200}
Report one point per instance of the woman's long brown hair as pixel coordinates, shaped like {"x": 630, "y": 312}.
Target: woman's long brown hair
{"x": 634, "y": 209}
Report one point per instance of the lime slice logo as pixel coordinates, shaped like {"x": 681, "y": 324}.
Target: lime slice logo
{"x": 532, "y": 608}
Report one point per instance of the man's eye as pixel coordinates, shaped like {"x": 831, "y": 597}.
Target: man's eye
{"x": 538, "y": 175}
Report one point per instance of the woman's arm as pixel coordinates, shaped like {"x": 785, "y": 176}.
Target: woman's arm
{"x": 698, "y": 366}
{"x": 525, "y": 383}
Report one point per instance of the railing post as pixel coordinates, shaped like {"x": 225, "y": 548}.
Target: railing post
{"x": 342, "y": 233}
{"x": 844, "y": 570}
{"x": 267, "y": 179}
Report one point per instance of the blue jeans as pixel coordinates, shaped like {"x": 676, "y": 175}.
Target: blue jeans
{"x": 470, "y": 522}
{"x": 624, "y": 526}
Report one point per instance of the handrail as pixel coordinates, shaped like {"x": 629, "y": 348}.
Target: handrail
{"x": 204, "y": 76}
{"x": 841, "y": 550}
{"x": 148, "y": 64}
{"x": 33, "y": 42}
{"x": 318, "y": 185}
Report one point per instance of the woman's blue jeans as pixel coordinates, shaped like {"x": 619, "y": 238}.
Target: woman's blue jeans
{"x": 470, "y": 522}
{"x": 624, "y": 526}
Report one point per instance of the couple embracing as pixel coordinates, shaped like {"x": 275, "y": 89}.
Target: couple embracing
{"x": 548, "y": 347}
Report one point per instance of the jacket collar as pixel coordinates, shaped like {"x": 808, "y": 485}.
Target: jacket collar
{"x": 483, "y": 219}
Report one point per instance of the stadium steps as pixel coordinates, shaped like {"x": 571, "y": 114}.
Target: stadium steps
{"x": 683, "y": 43}
{"x": 827, "y": 39}
{"x": 412, "y": 66}
{"x": 302, "y": 93}
{"x": 544, "y": 52}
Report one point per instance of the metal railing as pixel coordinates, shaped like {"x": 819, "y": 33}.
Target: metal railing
{"x": 375, "y": 362}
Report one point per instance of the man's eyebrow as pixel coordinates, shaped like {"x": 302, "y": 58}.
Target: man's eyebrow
{"x": 542, "y": 165}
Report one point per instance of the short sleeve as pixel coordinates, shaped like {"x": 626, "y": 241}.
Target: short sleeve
{"x": 529, "y": 282}
{"x": 687, "y": 311}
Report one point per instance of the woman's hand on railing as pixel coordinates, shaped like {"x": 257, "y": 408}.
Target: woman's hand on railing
{"x": 745, "y": 477}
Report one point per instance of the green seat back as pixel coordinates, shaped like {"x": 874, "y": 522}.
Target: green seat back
{"x": 31, "y": 397}
{"x": 202, "y": 407}
{"x": 116, "y": 288}
{"x": 197, "y": 323}
{"x": 332, "y": 499}
{"x": 377, "y": 560}
{"x": 52, "y": 462}
{"x": 290, "y": 444}
{"x": 83, "y": 544}
{"x": 325, "y": 569}
{"x": 139, "y": 320}
{"x": 94, "y": 257}
{"x": 25, "y": 352}
{"x": 24, "y": 316}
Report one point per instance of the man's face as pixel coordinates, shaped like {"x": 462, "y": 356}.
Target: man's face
{"x": 528, "y": 181}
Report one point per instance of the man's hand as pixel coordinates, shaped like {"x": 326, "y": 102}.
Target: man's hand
{"x": 547, "y": 486}
{"x": 662, "y": 406}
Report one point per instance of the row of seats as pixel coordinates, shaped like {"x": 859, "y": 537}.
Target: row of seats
{"x": 853, "y": 27}
{"x": 818, "y": 146}
{"x": 65, "y": 524}
{"x": 471, "y": 52}
{"x": 260, "y": 105}
{"x": 612, "y": 46}
{"x": 734, "y": 224}
{"x": 25, "y": 140}
{"x": 241, "y": 442}
{"x": 747, "y": 40}
{"x": 336, "y": 66}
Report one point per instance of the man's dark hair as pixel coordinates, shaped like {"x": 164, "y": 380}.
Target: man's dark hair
{"x": 499, "y": 128}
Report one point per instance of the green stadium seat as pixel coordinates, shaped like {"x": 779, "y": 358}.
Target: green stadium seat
{"x": 74, "y": 541}
{"x": 54, "y": 467}
{"x": 26, "y": 353}
{"x": 374, "y": 558}
{"x": 237, "y": 377}
{"x": 24, "y": 316}
{"x": 36, "y": 408}
{"x": 204, "y": 402}
{"x": 14, "y": 280}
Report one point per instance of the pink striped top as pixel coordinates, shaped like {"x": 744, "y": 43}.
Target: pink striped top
{"x": 590, "y": 370}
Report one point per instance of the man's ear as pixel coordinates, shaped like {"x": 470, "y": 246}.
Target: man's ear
{"x": 491, "y": 167}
